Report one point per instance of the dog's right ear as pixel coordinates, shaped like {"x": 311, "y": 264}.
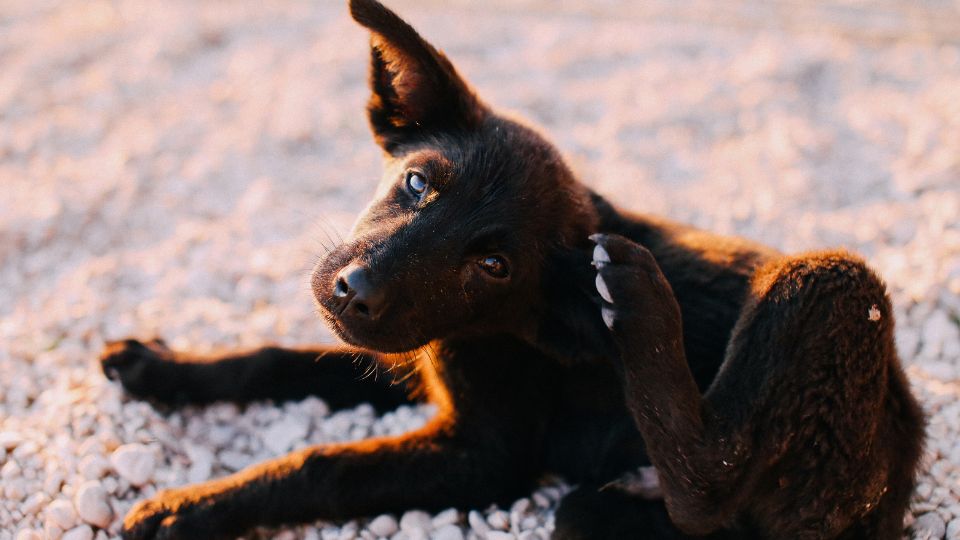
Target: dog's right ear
{"x": 415, "y": 88}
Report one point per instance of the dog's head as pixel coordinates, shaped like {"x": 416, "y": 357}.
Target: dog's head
{"x": 470, "y": 209}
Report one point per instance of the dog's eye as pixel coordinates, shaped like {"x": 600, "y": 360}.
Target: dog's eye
{"x": 494, "y": 265}
{"x": 416, "y": 184}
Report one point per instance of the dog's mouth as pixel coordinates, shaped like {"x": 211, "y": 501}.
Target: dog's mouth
{"x": 362, "y": 320}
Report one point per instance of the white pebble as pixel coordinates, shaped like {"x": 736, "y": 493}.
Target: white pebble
{"x": 929, "y": 527}
{"x": 383, "y": 526}
{"x": 447, "y": 532}
{"x": 61, "y": 513}
{"x": 10, "y": 439}
{"x": 93, "y": 467}
{"x": 953, "y": 529}
{"x": 15, "y": 490}
{"x": 499, "y": 519}
{"x": 201, "y": 463}
{"x": 83, "y": 532}
{"x": 281, "y": 436}
{"x": 10, "y": 470}
{"x": 33, "y": 503}
{"x": 500, "y": 535}
{"x": 447, "y": 517}
{"x": 91, "y": 504}
{"x": 477, "y": 523}
{"x": 134, "y": 462}
{"x": 29, "y": 534}
{"x": 416, "y": 520}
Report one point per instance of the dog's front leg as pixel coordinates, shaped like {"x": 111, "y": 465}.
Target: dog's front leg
{"x": 431, "y": 468}
{"x": 698, "y": 458}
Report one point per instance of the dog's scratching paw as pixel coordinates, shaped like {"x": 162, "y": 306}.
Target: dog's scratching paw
{"x": 628, "y": 280}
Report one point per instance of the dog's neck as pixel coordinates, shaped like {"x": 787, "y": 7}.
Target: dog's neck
{"x": 568, "y": 326}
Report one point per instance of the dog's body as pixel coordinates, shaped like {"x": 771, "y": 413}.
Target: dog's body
{"x": 765, "y": 389}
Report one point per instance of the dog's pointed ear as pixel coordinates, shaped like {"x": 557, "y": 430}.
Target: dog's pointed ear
{"x": 415, "y": 89}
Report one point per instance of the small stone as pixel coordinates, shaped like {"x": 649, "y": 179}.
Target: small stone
{"x": 447, "y": 532}
{"x": 281, "y": 436}
{"x": 201, "y": 463}
{"x": 83, "y": 532}
{"x": 500, "y": 535}
{"x": 953, "y": 529}
{"x": 93, "y": 467}
{"x": 416, "y": 521}
{"x": 61, "y": 513}
{"x": 234, "y": 460}
{"x": 929, "y": 527}
{"x": 383, "y": 526}
{"x": 10, "y": 470}
{"x": 29, "y": 534}
{"x": 91, "y": 504}
{"x": 52, "y": 483}
{"x": 134, "y": 462}
{"x": 499, "y": 519}
{"x": 449, "y": 516}
{"x": 33, "y": 503}
{"x": 520, "y": 507}
{"x": 477, "y": 523}
{"x": 9, "y": 440}
{"x": 15, "y": 490}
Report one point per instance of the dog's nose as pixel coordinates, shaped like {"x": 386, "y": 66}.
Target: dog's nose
{"x": 357, "y": 294}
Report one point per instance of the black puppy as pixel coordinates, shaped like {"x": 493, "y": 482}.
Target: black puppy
{"x": 556, "y": 333}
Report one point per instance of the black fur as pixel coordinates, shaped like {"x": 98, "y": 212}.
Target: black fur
{"x": 765, "y": 389}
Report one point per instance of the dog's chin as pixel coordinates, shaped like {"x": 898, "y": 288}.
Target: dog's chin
{"x": 373, "y": 338}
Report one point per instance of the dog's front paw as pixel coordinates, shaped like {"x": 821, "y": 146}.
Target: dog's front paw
{"x": 631, "y": 286}
{"x": 171, "y": 514}
{"x": 135, "y": 364}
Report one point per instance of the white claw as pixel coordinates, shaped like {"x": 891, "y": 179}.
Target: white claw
{"x": 600, "y": 256}
{"x": 602, "y": 289}
{"x": 607, "y": 315}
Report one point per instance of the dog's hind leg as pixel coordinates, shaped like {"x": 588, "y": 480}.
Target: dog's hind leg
{"x": 591, "y": 512}
{"x": 808, "y": 430}
{"x": 342, "y": 378}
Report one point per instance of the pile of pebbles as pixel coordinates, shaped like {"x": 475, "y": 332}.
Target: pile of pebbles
{"x": 174, "y": 169}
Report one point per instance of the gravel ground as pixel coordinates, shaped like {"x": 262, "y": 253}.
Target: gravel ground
{"x": 173, "y": 169}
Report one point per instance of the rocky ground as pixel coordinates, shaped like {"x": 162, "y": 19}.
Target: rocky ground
{"x": 174, "y": 168}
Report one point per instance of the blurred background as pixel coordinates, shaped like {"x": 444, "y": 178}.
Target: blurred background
{"x": 175, "y": 168}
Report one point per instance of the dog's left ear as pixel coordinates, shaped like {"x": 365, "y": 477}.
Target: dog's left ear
{"x": 415, "y": 88}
